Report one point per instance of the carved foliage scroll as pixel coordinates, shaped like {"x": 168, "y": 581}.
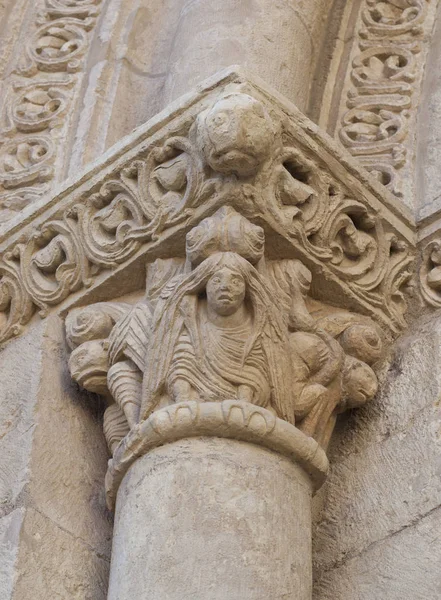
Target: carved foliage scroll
{"x": 235, "y": 153}
{"x": 39, "y": 96}
{"x": 430, "y": 273}
{"x": 384, "y": 82}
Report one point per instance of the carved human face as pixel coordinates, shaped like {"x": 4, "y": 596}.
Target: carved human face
{"x": 225, "y": 291}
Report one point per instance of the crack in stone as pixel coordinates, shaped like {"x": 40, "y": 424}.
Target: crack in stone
{"x": 351, "y": 556}
{"x": 95, "y": 551}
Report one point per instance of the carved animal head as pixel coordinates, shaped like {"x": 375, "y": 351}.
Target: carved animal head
{"x": 236, "y": 135}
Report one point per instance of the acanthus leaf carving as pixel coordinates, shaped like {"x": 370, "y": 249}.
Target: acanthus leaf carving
{"x": 103, "y": 222}
{"x": 26, "y": 160}
{"x": 53, "y": 264}
{"x": 16, "y": 307}
{"x": 430, "y": 273}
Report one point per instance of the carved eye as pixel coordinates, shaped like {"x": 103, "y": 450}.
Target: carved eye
{"x": 220, "y": 119}
{"x": 216, "y": 280}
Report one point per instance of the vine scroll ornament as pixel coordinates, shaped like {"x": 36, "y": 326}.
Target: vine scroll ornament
{"x": 232, "y": 146}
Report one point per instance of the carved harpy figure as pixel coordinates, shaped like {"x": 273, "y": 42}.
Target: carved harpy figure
{"x": 226, "y": 324}
{"x": 219, "y": 362}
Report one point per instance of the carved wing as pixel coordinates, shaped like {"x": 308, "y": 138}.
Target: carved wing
{"x": 130, "y": 336}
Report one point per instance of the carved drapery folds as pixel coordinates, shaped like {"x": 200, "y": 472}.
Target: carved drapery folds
{"x": 384, "y": 84}
{"x": 39, "y": 97}
{"x": 239, "y": 148}
{"x": 224, "y": 326}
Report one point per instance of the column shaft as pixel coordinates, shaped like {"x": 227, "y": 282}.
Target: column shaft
{"x": 212, "y": 519}
{"x": 276, "y": 39}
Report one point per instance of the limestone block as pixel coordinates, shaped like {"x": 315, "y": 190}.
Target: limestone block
{"x": 385, "y": 479}
{"x": 56, "y": 564}
{"x": 428, "y": 138}
{"x": 10, "y": 526}
{"x": 403, "y": 566}
{"x": 55, "y": 528}
{"x": 66, "y": 481}
{"x": 379, "y": 490}
{"x": 20, "y": 366}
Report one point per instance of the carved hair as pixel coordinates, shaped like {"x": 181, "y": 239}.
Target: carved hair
{"x": 267, "y": 323}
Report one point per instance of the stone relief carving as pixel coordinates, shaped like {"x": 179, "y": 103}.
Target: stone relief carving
{"x": 40, "y": 94}
{"x": 384, "y": 81}
{"x": 226, "y": 325}
{"x": 430, "y": 273}
{"x": 226, "y": 419}
{"x": 237, "y": 151}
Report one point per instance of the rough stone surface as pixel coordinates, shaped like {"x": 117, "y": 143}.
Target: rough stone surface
{"x": 53, "y": 563}
{"x": 55, "y": 529}
{"x": 404, "y": 565}
{"x": 218, "y": 518}
{"x": 277, "y": 39}
{"x": 428, "y": 181}
{"x": 374, "y": 532}
{"x": 10, "y": 526}
{"x": 129, "y": 59}
{"x": 205, "y": 518}
{"x": 18, "y": 397}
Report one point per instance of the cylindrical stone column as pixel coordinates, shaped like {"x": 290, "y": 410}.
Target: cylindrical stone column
{"x": 213, "y": 503}
{"x": 278, "y": 40}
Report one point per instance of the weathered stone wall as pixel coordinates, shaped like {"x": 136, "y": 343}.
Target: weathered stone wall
{"x": 377, "y": 518}
{"x": 55, "y": 530}
{"x": 428, "y": 139}
{"x": 377, "y": 533}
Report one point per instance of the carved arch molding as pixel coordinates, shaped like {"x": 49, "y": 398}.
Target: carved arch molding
{"x": 373, "y": 103}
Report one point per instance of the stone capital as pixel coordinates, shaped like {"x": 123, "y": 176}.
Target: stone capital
{"x": 230, "y": 277}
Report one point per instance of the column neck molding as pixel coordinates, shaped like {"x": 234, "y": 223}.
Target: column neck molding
{"x": 229, "y": 419}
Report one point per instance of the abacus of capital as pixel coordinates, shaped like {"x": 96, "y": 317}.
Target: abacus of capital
{"x": 224, "y": 378}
